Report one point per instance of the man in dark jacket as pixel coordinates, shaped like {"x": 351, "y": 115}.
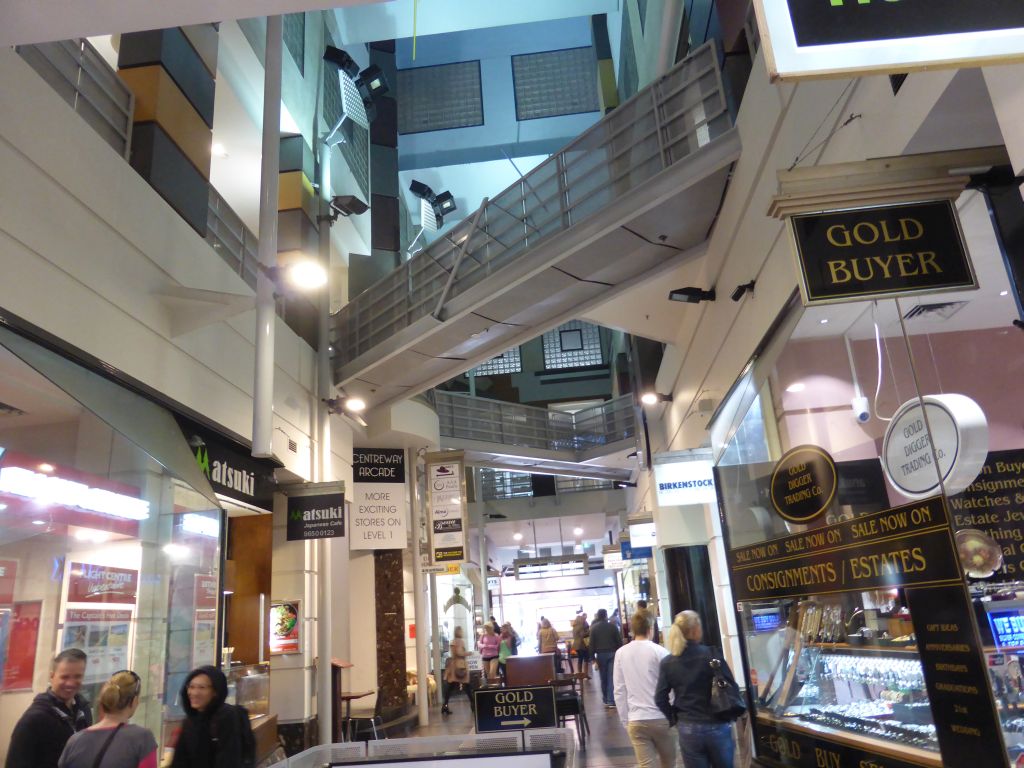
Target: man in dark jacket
{"x": 53, "y": 717}
{"x": 210, "y": 736}
{"x": 604, "y": 642}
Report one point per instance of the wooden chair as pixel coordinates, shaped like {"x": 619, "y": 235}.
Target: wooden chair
{"x": 530, "y": 670}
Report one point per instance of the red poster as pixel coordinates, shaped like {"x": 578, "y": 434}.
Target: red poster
{"x": 21, "y": 648}
{"x": 102, "y": 584}
{"x": 8, "y": 573}
{"x": 205, "y": 591}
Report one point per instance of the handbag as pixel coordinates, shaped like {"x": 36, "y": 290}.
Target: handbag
{"x": 460, "y": 669}
{"x": 103, "y": 750}
{"x": 726, "y": 702}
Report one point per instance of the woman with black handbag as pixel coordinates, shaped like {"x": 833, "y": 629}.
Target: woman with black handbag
{"x": 113, "y": 742}
{"x": 706, "y": 698}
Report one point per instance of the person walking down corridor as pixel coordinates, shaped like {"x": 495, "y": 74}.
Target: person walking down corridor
{"x": 547, "y": 641}
{"x": 605, "y": 640}
{"x": 635, "y": 670}
{"x": 53, "y": 717}
{"x": 113, "y": 742}
{"x": 489, "y": 646}
{"x": 706, "y": 741}
{"x": 581, "y": 644}
{"x": 456, "y": 672}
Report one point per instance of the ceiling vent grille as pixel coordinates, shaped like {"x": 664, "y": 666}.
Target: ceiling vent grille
{"x": 939, "y": 311}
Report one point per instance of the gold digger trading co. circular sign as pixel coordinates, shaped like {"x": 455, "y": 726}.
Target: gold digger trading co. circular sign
{"x": 804, "y": 483}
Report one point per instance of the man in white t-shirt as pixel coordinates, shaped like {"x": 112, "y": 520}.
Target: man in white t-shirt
{"x": 636, "y": 676}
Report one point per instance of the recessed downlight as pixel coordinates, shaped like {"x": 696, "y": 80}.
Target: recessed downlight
{"x": 796, "y": 386}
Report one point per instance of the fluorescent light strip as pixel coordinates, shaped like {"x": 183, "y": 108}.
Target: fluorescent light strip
{"x": 47, "y": 489}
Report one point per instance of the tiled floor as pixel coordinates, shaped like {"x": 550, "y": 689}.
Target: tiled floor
{"x": 607, "y": 747}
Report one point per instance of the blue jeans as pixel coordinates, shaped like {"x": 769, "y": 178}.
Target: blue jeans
{"x": 706, "y": 745}
{"x": 605, "y": 667}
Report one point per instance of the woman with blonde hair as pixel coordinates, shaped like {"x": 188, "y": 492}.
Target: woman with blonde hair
{"x": 456, "y": 671}
{"x": 547, "y": 641}
{"x": 113, "y": 742}
{"x": 705, "y": 740}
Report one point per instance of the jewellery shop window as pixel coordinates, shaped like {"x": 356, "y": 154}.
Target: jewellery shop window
{"x": 101, "y": 547}
{"x": 854, "y": 503}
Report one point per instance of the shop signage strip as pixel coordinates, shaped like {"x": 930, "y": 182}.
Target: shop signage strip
{"x": 918, "y": 516}
{"x": 871, "y": 253}
{"x": 379, "y": 509}
{"x": 796, "y": 749}
{"x": 316, "y": 511}
{"x": 446, "y": 507}
{"x": 821, "y": 38}
{"x": 955, "y": 675}
{"x": 515, "y": 709}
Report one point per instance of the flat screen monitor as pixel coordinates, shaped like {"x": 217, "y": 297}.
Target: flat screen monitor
{"x": 1007, "y": 627}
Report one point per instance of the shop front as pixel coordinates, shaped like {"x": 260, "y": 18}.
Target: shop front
{"x": 110, "y": 537}
{"x": 870, "y": 471}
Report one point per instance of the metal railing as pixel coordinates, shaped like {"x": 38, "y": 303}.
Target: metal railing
{"x": 501, "y": 484}
{"x": 230, "y": 238}
{"x": 492, "y": 421}
{"x": 664, "y": 123}
{"x": 81, "y": 76}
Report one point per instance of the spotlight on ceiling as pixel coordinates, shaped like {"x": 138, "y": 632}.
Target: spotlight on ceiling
{"x": 517, "y": 536}
{"x": 444, "y": 204}
{"x": 691, "y": 295}
{"x": 342, "y": 61}
{"x": 577, "y": 531}
{"x": 346, "y": 205}
{"x": 421, "y": 190}
{"x": 372, "y": 83}
{"x": 741, "y": 290}
{"x": 653, "y": 398}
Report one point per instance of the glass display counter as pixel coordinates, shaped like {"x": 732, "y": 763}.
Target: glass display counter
{"x": 249, "y": 686}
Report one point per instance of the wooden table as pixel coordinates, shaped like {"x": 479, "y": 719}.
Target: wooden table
{"x": 348, "y": 697}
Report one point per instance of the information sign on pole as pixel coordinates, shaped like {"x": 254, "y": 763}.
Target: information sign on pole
{"x": 379, "y": 509}
{"x": 316, "y": 511}
{"x": 514, "y": 709}
{"x": 446, "y": 506}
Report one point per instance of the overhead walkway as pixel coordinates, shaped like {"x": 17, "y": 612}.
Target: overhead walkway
{"x": 627, "y": 201}
{"x": 523, "y": 438}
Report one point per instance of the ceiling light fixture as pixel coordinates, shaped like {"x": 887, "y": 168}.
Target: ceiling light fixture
{"x": 823, "y": 321}
{"x": 218, "y": 150}
{"x": 1004, "y": 293}
{"x": 38, "y": 522}
{"x": 691, "y": 295}
{"x": 307, "y": 275}
{"x": 743, "y": 289}
{"x": 577, "y": 531}
{"x": 441, "y": 204}
{"x": 517, "y": 536}
{"x": 355, "y": 404}
{"x": 653, "y": 398}
{"x": 798, "y": 386}
{"x": 345, "y": 205}
{"x": 46, "y": 467}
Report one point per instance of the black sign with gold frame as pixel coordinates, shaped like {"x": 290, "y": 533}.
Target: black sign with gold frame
{"x": 819, "y": 22}
{"x": 870, "y": 253}
{"x": 804, "y": 484}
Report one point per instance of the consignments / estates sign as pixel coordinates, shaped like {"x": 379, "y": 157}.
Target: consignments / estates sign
{"x": 822, "y": 38}
{"x": 316, "y": 511}
{"x": 513, "y": 709}
{"x": 379, "y": 502}
{"x": 446, "y": 506}
{"x": 870, "y": 253}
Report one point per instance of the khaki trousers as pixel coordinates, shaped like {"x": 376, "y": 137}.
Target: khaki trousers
{"x": 654, "y": 742}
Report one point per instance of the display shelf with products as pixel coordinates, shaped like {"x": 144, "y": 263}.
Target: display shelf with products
{"x": 868, "y": 696}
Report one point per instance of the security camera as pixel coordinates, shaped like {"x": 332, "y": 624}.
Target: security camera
{"x": 861, "y": 410}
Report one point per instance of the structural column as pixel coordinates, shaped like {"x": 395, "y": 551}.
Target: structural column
{"x": 297, "y": 230}
{"x": 171, "y": 72}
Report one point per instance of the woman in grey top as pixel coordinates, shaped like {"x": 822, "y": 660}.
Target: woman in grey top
{"x": 122, "y": 745}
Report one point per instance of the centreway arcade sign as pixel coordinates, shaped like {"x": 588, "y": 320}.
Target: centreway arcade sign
{"x": 514, "y": 709}
{"x": 881, "y": 251}
{"x": 822, "y": 38}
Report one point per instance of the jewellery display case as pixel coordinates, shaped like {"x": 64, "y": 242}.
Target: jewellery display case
{"x": 829, "y": 665}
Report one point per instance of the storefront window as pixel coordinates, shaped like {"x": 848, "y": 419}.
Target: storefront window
{"x": 872, "y": 492}
{"x": 101, "y": 548}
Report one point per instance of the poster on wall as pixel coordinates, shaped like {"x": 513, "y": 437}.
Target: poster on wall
{"x": 21, "y": 650}
{"x": 103, "y": 635}
{"x": 204, "y": 638}
{"x": 285, "y": 627}
{"x": 446, "y": 507}
{"x": 379, "y": 507}
{"x": 91, "y": 583}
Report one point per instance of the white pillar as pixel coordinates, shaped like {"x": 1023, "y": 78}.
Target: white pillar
{"x": 1006, "y": 90}
{"x": 418, "y": 593}
{"x": 263, "y": 384}
{"x": 671, "y": 23}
